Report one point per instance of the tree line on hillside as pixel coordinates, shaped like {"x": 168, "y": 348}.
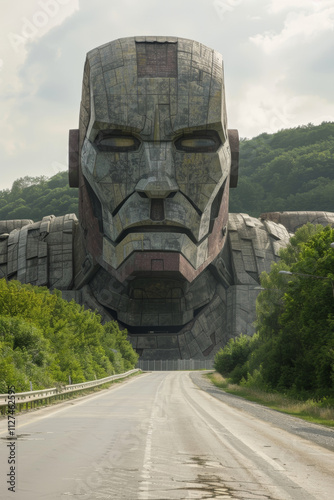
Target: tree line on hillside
{"x": 292, "y": 169}
{"x": 293, "y": 349}
{"x": 35, "y": 197}
{"x": 45, "y": 340}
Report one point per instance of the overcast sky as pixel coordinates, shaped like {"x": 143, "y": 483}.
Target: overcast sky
{"x": 278, "y": 58}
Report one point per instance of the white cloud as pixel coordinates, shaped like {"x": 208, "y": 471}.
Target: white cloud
{"x": 36, "y": 19}
{"x": 40, "y": 84}
{"x": 297, "y": 25}
{"x": 25, "y": 121}
{"x": 276, "y": 6}
{"x": 259, "y": 110}
{"x": 265, "y": 108}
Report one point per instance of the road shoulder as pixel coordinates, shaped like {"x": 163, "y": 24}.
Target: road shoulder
{"x": 322, "y": 436}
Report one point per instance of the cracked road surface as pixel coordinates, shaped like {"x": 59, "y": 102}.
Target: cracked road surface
{"x": 160, "y": 436}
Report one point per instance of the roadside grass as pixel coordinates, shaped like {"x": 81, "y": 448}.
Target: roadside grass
{"x": 317, "y": 412}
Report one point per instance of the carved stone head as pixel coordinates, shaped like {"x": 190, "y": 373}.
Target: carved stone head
{"x": 152, "y": 156}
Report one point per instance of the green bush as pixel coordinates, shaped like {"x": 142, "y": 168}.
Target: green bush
{"x": 233, "y": 355}
{"x": 45, "y": 340}
{"x": 295, "y": 349}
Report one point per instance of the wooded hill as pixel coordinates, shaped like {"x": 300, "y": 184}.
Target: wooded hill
{"x": 292, "y": 169}
{"x": 45, "y": 340}
{"x": 35, "y": 197}
{"x": 293, "y": 349}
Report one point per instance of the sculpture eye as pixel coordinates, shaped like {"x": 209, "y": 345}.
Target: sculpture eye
{"x": 116, "y": 143}
{"x": 198, "y": 143}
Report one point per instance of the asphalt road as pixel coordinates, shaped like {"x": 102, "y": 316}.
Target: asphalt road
{"x": 160, "y": 436}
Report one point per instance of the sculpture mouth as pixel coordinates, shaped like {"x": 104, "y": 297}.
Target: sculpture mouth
{"x": 152, "y": 229}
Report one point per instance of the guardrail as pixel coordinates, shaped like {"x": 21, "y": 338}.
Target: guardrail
{"x": 32, "y": 397}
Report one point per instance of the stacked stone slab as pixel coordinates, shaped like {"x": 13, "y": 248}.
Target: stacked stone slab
{"x": 40, "y": 253}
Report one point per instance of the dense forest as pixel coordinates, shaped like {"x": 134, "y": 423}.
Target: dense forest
{"x": 292, "y": 169}
{"x": 35, "y": 197}
{"x": 293, "y": 349}
{"x": 45, "y": 340}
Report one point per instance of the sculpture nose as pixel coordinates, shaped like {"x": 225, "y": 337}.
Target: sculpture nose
{"x": 158, "y": 179}
{"x": 153, "y": 187}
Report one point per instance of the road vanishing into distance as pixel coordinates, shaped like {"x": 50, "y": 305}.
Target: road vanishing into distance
{"x": 162, "y": 436}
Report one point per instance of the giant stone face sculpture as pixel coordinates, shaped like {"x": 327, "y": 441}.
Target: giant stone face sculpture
{"x": 154, "y": 246}
{"x": 154, "y": 155}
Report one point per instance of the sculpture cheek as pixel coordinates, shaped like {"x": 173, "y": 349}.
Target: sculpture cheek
{"x": 88, "y": 159}
{"x": 198, "y": 175}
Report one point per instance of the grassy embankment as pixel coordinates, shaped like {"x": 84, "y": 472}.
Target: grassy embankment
{"x": 310, "y": 410}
